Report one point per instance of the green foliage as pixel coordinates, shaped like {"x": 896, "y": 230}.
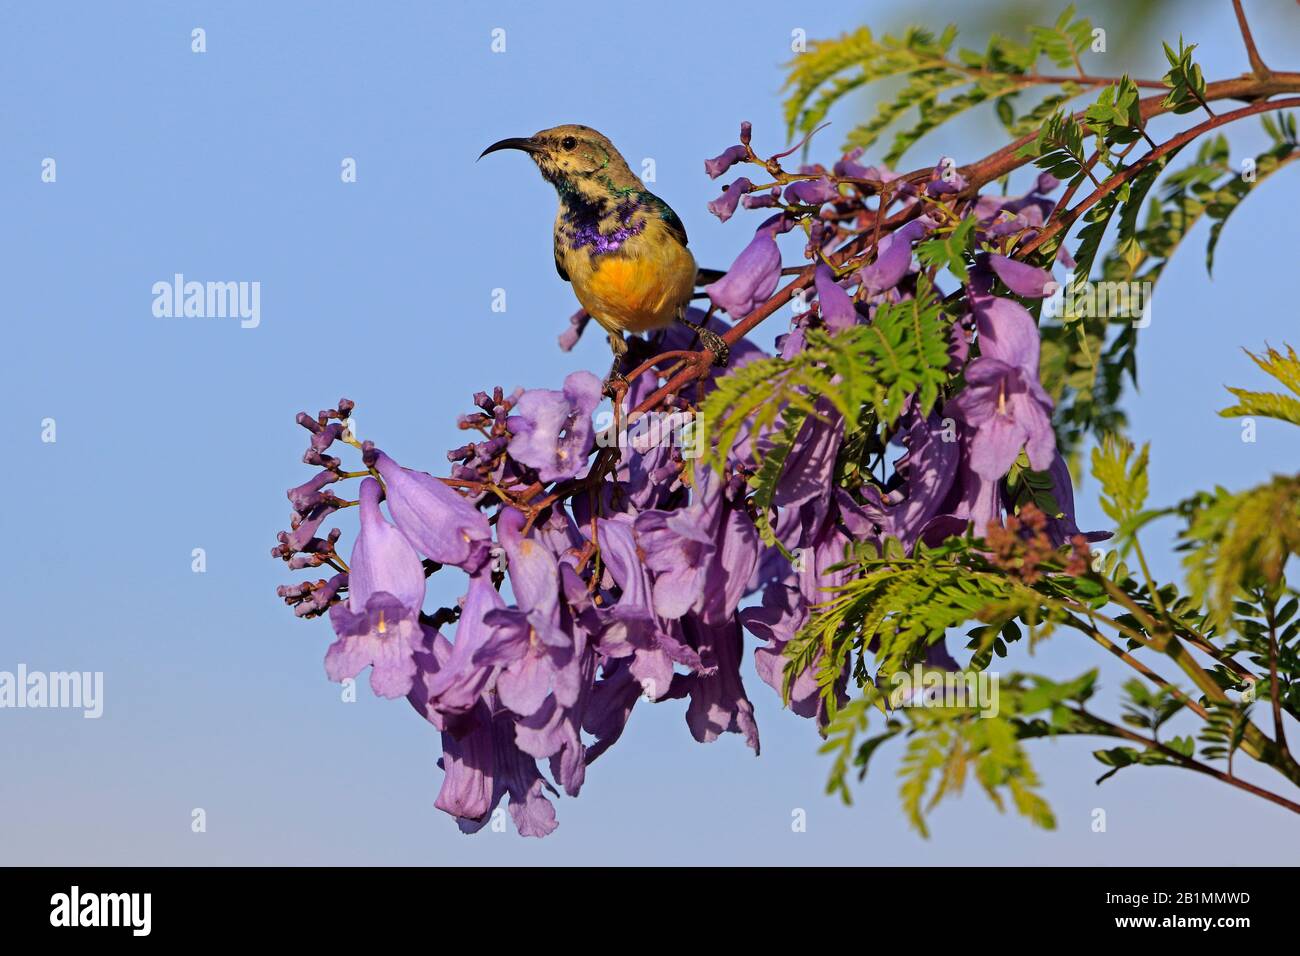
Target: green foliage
{"x": 1116, "y": 115}
{"x": 1058, "y": 148}
{"x": 1117, "y": 758}
{"x": 824, "y": 62}
{"x": 1284, "y": 368}
{"x": 1065, "y": 41}
{"x": 1085, "y": 361}
{"x": 951, "y": 249}
{"x": 1026, "y": 486}
{"x": 900, "y": 605}
{"x": 904, "y": 350}
{"x": 1033, "y": 120}
{"x": 894, "y": 604}
{"x": 1149, "y": 708}
{"x": 1222, "y": 735}
{"x": 1123, "y": 478}
{"x": 1184, "y": 79}
{"x": 929, "y": 70}
{"x": 945, "y": 745}
{"x": 1239, "y": 541}
{"x": 1086, "y": 380}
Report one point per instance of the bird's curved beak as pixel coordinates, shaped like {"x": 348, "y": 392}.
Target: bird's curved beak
{"x": 515, "y": 142}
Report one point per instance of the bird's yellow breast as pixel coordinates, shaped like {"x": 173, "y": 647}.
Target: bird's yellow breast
{"x": 643, "y": 285}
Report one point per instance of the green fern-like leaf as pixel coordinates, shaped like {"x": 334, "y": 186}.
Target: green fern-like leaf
{"x": 1284, "y": 368}
{"x": 1238, "y": 541}
{"x": 1065, "y": 41}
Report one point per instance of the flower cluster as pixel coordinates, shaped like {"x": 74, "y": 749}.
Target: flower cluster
{"x": 634, "y": 577}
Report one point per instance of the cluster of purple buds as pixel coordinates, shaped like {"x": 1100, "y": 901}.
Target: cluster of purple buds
{"x": 632, "y": 580}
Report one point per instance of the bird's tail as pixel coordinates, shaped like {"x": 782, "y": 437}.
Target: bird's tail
{"x": 708, "y": 276}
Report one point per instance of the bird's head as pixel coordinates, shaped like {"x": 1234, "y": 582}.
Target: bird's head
{"x": 573, "y": 158}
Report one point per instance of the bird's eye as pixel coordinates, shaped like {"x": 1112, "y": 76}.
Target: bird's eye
{"x": 568, "y": 142}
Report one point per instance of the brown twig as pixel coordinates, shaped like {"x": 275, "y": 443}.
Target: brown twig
{"x": 1191, "y": 763}
{"x": 1252, "y": 52}
{"x": 1246, "y": 88}
{"x": 1127, "y": 174}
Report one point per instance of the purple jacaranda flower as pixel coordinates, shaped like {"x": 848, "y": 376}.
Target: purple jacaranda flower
{"x": 752, "y": 278}
{"x": 517, "y": 775}
{"x": 483, "y": 765}
{"x": 1062, "y": 529}
{"x": 577, "y": 325}
{"x": 849, "y": 167}
{"x": 469, "y": 750}
{"x": 812, "y": 192}
{"x": 945, "y": 179}
{"x": 379, "y": 626}
{"x": 718, "y": 703}
{"x": 647, "y": 478}
{"x": 959, "y": 341}
{"x": 459, "y": 681}
{"x": 735, "y": 552}
{"x": 810, "y": 463}
{"x": 1008, "y": 410}
{"x": 781, "y": 615}
{"x": 551, "y": 431}
{"x": 612, "y": 698}
{"x": 701, "y": 556}
{"x": 894, "y": 256}
{"x": 527, "y": 641}
{"x": 1022, "y": 278}
{"x": 1008, "y": 333}
{"x": 837, "y": 308}
{"x": 927, "y": 471}
{"x": 816, "y": 534}
{"x": 677, "y": 548}
{"x": 555, "y": 729}
{"x": 761, "y": 200}
{"x": 430, "y": 658}
{"x": 1006, "y": 215}
{"x": 308, "y": 495}
{"x": 724, "y": 207}
{"x": 467, "y": 762}
{"x": 719, "y": 164}
{"x": 973, "y": 502}
{"x": 441, "y": 523}
{"x": 558, "y": 534}
{"x": 633, "y": 628}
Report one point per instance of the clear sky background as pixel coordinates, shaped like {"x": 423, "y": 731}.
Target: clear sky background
{"x": 175, "y": 434}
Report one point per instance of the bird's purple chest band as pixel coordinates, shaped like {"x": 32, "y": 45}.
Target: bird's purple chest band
{"x": 584, "y": 221}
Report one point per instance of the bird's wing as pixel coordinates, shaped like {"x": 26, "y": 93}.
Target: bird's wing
{"x": 670, "y": 218}
{"x": 559, "y": 263}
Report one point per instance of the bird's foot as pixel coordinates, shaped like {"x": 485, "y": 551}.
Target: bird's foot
{"x": 712, "y": 341}
{"x": 615, "y": 386}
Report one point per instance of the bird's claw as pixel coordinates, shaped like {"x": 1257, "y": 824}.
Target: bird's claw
{"x": 716, "y": 344}
{"x": 615, "y": 386}
{"x": 711, "y": 340}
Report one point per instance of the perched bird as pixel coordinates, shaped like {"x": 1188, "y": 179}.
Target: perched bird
{"x": 621, "y": 246}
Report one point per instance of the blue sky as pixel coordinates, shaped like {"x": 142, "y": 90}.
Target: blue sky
{"x": 175, "y": 434}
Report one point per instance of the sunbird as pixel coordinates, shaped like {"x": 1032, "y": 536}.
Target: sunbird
{"x": 621, "y": 247}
